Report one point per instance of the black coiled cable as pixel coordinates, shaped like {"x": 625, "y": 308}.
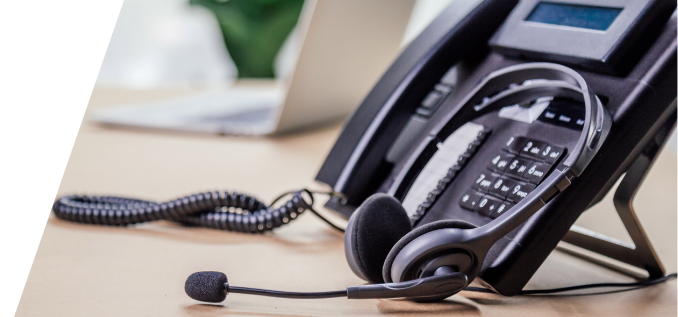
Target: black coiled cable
{"x": 231, "y": 211}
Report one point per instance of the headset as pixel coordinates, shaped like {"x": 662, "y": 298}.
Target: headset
{"x": 458, "y": 71}
{"x": 399, "y": 253}
{"x": 428, "y": 263}
{"x": 441, "y": 258}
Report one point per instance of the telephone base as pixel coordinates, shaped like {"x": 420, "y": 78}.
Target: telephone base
{"x": 641, "y": 254}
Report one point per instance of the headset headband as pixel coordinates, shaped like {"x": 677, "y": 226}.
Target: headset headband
{"x": 516, "y": 83}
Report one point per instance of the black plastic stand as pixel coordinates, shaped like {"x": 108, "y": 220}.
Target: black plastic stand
{"x": 641, "y": 254}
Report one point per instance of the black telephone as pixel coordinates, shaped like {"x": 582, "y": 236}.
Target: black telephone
{"x": 475, "y": 153}
{"x": 478, "y": 112}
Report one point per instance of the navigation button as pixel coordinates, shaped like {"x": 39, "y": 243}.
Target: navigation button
{"x": 502, "y": 186}
{"x": 499, "y": 162}
{"x": 518, "y": 167}
{"x": 484, "y": 181}
{"x": 487, "y": 205}
{"x": 520, "y": 191}
{"x": 551, "y": 153}
{"x": 470, "y": 199}
{"x": 536, "y": 173}
{"x": 503, "y": 207}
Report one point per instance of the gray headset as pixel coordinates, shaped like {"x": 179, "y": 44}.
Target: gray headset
{"x": 381, "y": 245}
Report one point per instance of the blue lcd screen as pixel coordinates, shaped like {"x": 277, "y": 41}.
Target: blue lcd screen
{"x": 579, "y": 16}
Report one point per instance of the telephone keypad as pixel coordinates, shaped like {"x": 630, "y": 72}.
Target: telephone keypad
{"x": 551, "y": 154}
{"x": 500, "y": 161}
{"x": 503, "y": 206}
{"x": 502, "y": 186}
{"x": 512, "y": 174}
{"x": 484, "y": 182}
{"x": 519, "y": 191}
{"x": 517, "y": 167}
{"x": 536, "y": 173}
{"x": 470, "y": 199}
{"x": 515, "y": 144}
{"x": 487, "y": 205}
{"x": 533, "y": 148}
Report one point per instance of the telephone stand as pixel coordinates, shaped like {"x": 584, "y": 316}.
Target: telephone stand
{"x": 641, "y": 254}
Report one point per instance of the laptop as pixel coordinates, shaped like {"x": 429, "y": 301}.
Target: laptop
{"x": 346, "y": 46}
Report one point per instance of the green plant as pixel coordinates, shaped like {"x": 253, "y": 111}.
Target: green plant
{"x": 254, "y": 31}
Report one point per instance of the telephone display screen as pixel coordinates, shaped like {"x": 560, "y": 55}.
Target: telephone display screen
{"x": 579, "y": 16}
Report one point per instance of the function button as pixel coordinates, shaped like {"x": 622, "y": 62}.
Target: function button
{"x": 536, "y": 173}
{"x": 515, "y": 144}
{"x": 473, "y": 146}
{"x": 501, "y": 208}
{"x": 487, "y": 205}
{"x": 462, "y": 159}
{"x": 551, "y": 154}
{"x": 533, "y": 148}
{"x": 452, "y": 173}
{"x": 445, "y": 89}
{"x": 565, "y": 113}
{"x": 431, "y": 100}
{"x": 499, "y": 162}
{"x": 483, "y": 134}
{"x": 520, "y": 191}
{"x": 484, "y": 181}
{"x": 502, "y": 187}
{"x": 517, "y": 167}
{"x": 470, "y": 199}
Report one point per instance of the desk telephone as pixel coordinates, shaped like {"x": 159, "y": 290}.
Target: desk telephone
{"x": 475, "y": 152}
{"x": 474, "y": 117}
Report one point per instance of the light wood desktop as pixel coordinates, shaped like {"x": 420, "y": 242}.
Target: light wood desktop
{"x": 85, "y": 270}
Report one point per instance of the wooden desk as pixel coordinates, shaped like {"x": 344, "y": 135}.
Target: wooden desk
{"x": 83, "y": 270}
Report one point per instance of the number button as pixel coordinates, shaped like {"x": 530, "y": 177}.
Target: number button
{"x": 470, "y": 199}
{"x": 487, "y": 205}
{"x": 499, "y": 162}
{"x": 518, "y": 167}
{"x": 503, "y": 207}
{"x": 551, "y": 153}
{"x": 533, "y": 149}
{"x": 502, "y": 186}
{"x": 536, "y": 173}
{"x": 484, "y": 182}
{"x": 515, "y": 144}
{"x": 519, "y": 191}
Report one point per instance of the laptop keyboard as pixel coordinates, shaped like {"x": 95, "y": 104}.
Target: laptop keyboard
{"x": 255, "y": 116}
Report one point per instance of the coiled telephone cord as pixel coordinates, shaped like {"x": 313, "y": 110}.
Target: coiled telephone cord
{"x": 230, "y": 211}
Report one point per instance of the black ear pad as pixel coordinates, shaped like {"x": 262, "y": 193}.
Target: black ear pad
{"x": 441, "y": 224}
{"x": 371, "y": 233}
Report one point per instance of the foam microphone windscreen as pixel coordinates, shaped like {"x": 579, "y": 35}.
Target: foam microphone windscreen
{"x": 206, "y": 286}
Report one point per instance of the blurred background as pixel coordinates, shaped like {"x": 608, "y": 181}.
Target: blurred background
{"x": 187, "y": 45}
{"x": 156, "y": 44}
{"x": 161, "y": 44}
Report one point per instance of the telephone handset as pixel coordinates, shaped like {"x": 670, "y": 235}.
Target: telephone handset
{"x": 510, "y": 121}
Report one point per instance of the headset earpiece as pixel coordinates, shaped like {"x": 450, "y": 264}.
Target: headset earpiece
{"x": 374, "y": 228}
{"x": 405, "y": 240}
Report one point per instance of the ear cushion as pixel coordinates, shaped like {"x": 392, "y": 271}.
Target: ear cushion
{"x": 441, "y": 224}
{"x": 371, "y": 233}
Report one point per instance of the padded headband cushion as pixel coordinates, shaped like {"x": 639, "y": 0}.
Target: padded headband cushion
{"x": 441, "y": 224}
{"x": 379, "y": 223}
